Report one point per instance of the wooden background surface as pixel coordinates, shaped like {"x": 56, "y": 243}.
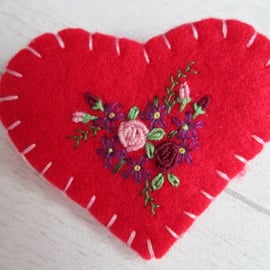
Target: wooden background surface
{"x": 41, "y": 229}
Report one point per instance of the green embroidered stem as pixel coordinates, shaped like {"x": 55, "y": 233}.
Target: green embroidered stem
{"x": 83, "y": 136}
{"x": 170, "y": 101}
{"x": 94, "y": 130}
{"x": 189, "y": 68}
{"x": 118, "y": 166}
{"x": 148, "y": 199}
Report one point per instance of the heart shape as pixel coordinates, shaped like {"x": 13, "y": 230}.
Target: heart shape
{"x": 51, "y": 79}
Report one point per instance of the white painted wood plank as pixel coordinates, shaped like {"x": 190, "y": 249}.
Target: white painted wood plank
{"x": 254, "y": 183}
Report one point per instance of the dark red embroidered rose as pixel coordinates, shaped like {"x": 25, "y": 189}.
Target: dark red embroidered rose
{"x": 166, "y": 155}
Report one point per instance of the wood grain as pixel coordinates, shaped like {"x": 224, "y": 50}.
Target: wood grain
{"x": 41, "y": 229}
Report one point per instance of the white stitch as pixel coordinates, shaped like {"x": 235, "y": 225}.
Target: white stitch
{"x": 146, "y": 56}
{"x": 28, "y": 149}
{"x": 172, "y": 232}
{"x": 60, "y": 40}
{"x": 240, "y": 158}
{"x": 46, "y": 168}
{"x": 69, "y": 182}
{"x": 91, "y": 202}
{"x": 8, "y": 98}
{"x": 117, "y": 46}
{"x": 150, "y": 248}
{"x": 33, "y": 51}
{"x": 195, "y": 32}
{"x": 112, "y": 220}
{"x": 166, "y": 41}
{"x": 14, "y": 73}
{"x": 223, "y": 175}
{"x": 90, "y": 42}
{"x": 267, "y": 64}
{"x": 207, "y": 195}
{"x": 252, "y": 39}
{"x": 131, "y": 238}
{"x": 224, "y": 29}
{"x": 14, "y": 125}
{"x": 258, "y": 139}
{"x": 192, "y": 216}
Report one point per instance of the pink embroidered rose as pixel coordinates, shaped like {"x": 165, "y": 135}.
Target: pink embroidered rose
{"x": 132, "y": 135}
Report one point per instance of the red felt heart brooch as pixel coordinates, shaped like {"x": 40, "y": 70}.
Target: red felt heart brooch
{"x": 144, "y": 136}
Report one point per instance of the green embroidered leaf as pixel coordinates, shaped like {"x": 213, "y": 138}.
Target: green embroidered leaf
{"x": 158, "y": 181}
{"x": 173, "y": 179}
{"x": 150, "y": 150}
{"x": 98, "y": 106}
{"x": 88, "y": 117}
{"x": 156, "y": 102}
{"x": 133, "y": 113}
{"x": 118, "y": 166}
{"x": 156, "y": 134}
{"x": 172, "y": 133}
{"x": 198, "y": 110}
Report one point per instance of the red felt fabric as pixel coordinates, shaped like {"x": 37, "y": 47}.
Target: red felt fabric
{"x": 52, "y": 87}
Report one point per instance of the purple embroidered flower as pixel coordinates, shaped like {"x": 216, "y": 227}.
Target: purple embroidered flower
{"x": 184, "y": 150}
{"x": 187, "y": 129}
{"x": 112, "y": 114}
{"x": 110, "y": 150}
{"x": 136, "y": 170}
{"x": 155, "y": 115}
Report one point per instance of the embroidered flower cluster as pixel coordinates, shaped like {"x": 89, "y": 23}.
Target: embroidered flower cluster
{"x": 148, "y": 129}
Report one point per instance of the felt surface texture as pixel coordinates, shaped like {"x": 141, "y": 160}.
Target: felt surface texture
{"x": 233, "y": 70}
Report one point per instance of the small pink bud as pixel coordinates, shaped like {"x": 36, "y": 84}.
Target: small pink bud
{"x": 78, "y": 117}
{"x": 184, "y": 92}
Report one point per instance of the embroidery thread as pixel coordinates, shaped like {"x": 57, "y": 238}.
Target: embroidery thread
{"x": 146, "y": 130}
